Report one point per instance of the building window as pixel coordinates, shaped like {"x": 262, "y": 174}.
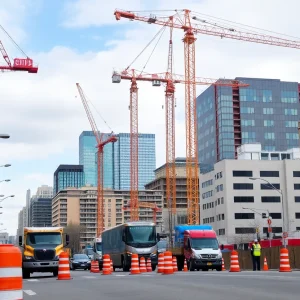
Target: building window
{"x": 219, "y": 188}
{"x": 269, "y": 173}
{"x": 244, "y": 216}
{"x": 266, "y": 186}
{"x": 275, "y": 215}
{"x": 296, "y": 186}
{"x": 243, "y": 186}
{"x": 222, "y": 200}
{"x": 290, "y": 112}
{"x": 222, "y": 231}
{"x": 274, "y": 230}
{"x": 267, "y": 96}
{"x": 270, "y": 199}
{"x": 292, "y": 124}
{"x": 245, "y": 230}
{"x": 247, "y": 110}
{"x": 242, "y": 173}
{"x": 289, "y": 97}
{"x": 243, "y": 199}
{"x": 296, "y": 173}
{"x": 292, "y": 136}
{"x": 248, "y": 135}
{"x": 268, "y": 111}
{"x": 268, "y": 123}
{"x": 297, "y": 199}
{"x": 297, "y": 215}
{"x": 269, "y": 135}
{"x": 248, "y": 122}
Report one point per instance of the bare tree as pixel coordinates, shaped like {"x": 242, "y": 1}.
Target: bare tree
{"x": 75, "y": 232}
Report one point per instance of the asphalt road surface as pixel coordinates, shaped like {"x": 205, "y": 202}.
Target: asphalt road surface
{"x": 182, "y": 285}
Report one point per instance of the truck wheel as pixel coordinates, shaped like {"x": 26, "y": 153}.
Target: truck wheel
{"x": 55, "y": 273}
{"x": 219, "y": 269}
{"x": 191, "y": 266}
{"x": 26, "y": 274}
{"x": 125, "y": 267}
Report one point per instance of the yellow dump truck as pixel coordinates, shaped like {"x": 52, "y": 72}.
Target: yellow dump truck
{"x": 41, "y": 248}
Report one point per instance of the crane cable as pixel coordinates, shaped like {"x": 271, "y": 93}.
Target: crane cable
{"x": 13, "y": 41}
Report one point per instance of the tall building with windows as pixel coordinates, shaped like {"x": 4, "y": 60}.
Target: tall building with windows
{"x": 68, "y": 176}
{"x": 265, "y": 112}
{"x": 117, "y": 160}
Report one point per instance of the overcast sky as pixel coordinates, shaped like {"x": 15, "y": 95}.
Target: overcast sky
{"x": 80, "y": 41}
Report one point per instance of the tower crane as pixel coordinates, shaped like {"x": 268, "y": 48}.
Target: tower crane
{"x": 182, "y": 19}
{"x": 169, "y": 80}
{"x": 19, "y": 64}
{"x": 100, "y": 146}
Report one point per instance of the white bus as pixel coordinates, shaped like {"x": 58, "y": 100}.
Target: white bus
{"x": 132, "y": 237}
{"x": 97, "y": 251}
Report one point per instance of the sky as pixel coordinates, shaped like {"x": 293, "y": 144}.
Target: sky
{"x": 81, "y": 41}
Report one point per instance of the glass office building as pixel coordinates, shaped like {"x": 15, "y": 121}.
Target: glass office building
{"x": 68, "y": 176}
{"x": 117, "y": 160}
{"x": 265, "y": 112}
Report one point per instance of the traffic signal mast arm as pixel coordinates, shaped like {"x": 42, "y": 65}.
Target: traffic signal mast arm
{"x": 212, "y": 29}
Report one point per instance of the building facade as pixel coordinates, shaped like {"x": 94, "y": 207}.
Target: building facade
{"x": 4, "y": 238}
{"x": 41, "y": 212}
{"x": 68, "y": 176}
{"x": 79, "y": 206}
{"x": 117, "y": 160}
{"x": 22, "y": 222}
{"x": 265, "y": 112}
{"x": 236, "y": 193}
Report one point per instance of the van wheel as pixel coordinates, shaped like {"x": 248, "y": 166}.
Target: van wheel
{"x": 191, "y": 266}
{"x": 125, "y": 267}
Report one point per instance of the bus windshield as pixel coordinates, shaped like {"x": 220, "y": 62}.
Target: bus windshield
{"x": 43, "y": 238}
{"x": 204, "y": 243}
{"x": 138, "y": 236}
{"x": 99, "y": 247}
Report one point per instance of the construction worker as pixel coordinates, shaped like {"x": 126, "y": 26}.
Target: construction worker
{"x": 256, "y": 252}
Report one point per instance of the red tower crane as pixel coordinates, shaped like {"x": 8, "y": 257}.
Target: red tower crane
{"x": 100, "y": 146}
{"x": 183, "y": 22}
{"x": 19, "y": 64}
{"x": 170, "y": 80}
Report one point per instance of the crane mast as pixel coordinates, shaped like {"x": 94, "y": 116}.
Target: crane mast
{"x": 100, "y": 154}
{"x": 184, "y": 23}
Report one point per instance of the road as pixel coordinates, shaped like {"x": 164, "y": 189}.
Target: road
{"x": 188, "y": 285}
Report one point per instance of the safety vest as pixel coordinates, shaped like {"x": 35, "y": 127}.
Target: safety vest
{"x": 256, "y": 249}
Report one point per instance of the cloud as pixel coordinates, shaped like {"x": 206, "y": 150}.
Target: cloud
{"x": 43, "y": 112}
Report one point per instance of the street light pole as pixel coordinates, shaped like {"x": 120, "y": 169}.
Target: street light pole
{"x": 282, "y": 205}
{"x": 11, "y": 196}
{"x": 4, "y": 136}
{"x": 6, "y": 180}
{"x": 6, "y": 165}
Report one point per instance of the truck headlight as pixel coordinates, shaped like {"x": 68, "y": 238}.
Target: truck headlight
{"x": 219, "y": 256}
{"x": 194, "y": 255}
{"x": 28, "y": 257}
{"x": 56, "y": 257}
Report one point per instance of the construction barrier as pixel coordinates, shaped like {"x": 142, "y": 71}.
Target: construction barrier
{"x": 64, "y": 267}
{"x": 234, "y": 262}
{"x": 111, "y": 266}
{"x": 284, "y": 261}
{"x": 265, "y": 268}
{"x": 160, "y": 266}
{"x": 11, "y": 282}
{"x": 168, "y": 263}
{"x": 223, "y": 265}
{"x": 174, "y": 263}
{"x": 106, "y": 265}
{"x": 135, "y": 269}
{"x": 149, "y": 267}
{"x": 143, "y": 268}
{"x": 185, "y": 268}
{"x": 94, "y": 267}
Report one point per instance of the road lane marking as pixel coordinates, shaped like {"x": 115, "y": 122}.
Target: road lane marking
{"x": 31, "y": 280}
{"x": 121, "y": 275}
{"x": 29, "y": 292}
{"x": 90, "y": 277}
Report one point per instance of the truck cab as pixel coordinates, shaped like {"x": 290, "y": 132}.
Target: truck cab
{"x": 97, "y": 252}
{"x": 201, "y": 250}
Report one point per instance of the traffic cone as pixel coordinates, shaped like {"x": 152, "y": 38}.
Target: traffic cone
{"x": 174, "y": 263}
{"x": 284, "y": 261}
{"x": 106, "y": 265}
{"x": 168, "y": 265}
{"x": 94, "y": 267}
{"x": 143, "y": 268}
{"x": 266, "y": 268}
{"x": 234, "y": 262}
{"x": 149, "y": 267}
{"x": 111, "y": 266}
{"x": 64, "y": 267}
{"x": 223, "y": 265}
{"x": 160, "y": 267}
{"x": 185, "y": 268}
{"x": 135, "y": 269}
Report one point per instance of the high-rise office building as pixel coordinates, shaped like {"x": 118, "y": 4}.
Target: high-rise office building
{"x": 68, "y": 176}
{"x": 117, "y": 160}
{"x": 265, "y": 112}
{"x": 41, "y": 212}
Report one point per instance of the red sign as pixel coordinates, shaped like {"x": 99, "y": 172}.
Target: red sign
{"x": 23, "y": 62}
{"x": 285, "y": 235}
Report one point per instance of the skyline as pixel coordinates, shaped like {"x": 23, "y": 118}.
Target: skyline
{"x": 80, "y": 41}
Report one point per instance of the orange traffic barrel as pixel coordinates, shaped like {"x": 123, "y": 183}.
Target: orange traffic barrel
{"x": 143, "y": 268}
{"x": 284, "y": 261}
{"x": 64, "y": 267}
{"x": 185, "y": 268}
{"x": 160, "y": 266}
{"x": 111, "y": 266}
{"x": 94, "y": 267}
{"x": 266, "y": 268}
{"x": 168, "y": 264}
{"x": 135, "y": 269}
{"x": 11, "y": 283}
{"x": 174, "y": 263}
{"x": 149, "y": 267}
{"x": 234, "y": 262}
{"x": 223, "y": 265}
{"x": 106, "y": 270}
